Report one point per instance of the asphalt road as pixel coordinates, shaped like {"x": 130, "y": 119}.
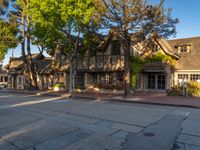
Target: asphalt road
{"x": 29, "y": 122}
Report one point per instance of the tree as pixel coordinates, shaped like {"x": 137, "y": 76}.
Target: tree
{"x": 16, "y": 12}
{"x": 134, "y": 21}
{"x": 63, "y": 24}
{"x": 8, "y": 37}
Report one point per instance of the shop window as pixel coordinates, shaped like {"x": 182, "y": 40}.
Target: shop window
{"x": 195, "y": 77}
{"x": 183, "y": 77}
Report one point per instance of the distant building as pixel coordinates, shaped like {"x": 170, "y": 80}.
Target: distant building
{"x": 3, "y": 78}
{"x": 16, "y": 74}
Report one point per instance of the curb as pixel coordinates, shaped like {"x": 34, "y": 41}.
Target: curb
{"x": 103, "y": 99}
{"x": 17, "y": 92}
{"x": 135, "y": 102}
{"x": 32, "y": 93}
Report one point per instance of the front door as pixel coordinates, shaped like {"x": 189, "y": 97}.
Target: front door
{"x": 156, "y": 81}
{"x": 161, "y": 82}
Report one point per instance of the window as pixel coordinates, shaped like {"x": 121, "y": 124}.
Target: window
{"x": 106, "y": 78}
{"x": 155, "y": 48}
{"x": 151, "y": 82}
{"x": 94, "y": 77}
{"x": 195, "y": 77}
{"x": 184, "y": 48}
{"x": 183, "y": 77}
{"x": 80, "y": 80}
{"x": 115, "y": 48}
{"x": 6, "y": 79}
{"x": 1, "y": 79}
{"x": 120, "y": 77}
{"x": 161, "y": 82}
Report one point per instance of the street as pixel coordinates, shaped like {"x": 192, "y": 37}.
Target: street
{"x": 30, "y": 122}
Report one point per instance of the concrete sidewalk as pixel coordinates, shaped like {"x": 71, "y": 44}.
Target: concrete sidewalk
{"x": 36, "y": 92}
{"x": 154, "y": 98}
{"x": 144, "y": 97}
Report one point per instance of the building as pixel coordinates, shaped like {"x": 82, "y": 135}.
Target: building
{"x": 188, "y": 66}
{"x": 104, "y": 67}
{"x": 16, "y": 75}
{"x": 3, "y": 78}
{"x": 158, "y": 75}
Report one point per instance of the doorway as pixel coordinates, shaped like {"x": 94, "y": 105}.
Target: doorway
{"x": 156, "y": 81}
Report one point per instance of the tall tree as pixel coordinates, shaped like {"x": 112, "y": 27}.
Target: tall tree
{"x": 134, "y": 21}
{"x": 16, "y": 12}
{"x": 8, "y": 37}
{"x": 64, "y": 23}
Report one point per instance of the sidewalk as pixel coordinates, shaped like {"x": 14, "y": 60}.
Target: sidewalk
{"x": 145, "y": 98}
{"x": 36, "y": 92}
{"x": 139, "y": 97}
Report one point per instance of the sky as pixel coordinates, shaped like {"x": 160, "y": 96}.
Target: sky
{"x": 187, "y": 11}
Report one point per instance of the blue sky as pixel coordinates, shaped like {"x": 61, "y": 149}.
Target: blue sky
{"x": 188, "y": 12}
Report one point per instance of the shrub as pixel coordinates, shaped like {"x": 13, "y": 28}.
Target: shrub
{"x": 194, "y": 88}
{"x": 175, "y": 91}
{"x": 58, "y": 85}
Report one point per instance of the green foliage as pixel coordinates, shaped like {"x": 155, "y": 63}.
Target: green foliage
{"x": 135, "y": 21}
{"x": 8, "y": 37}
{"x": 60, "y": 21}
{"x": 136, "y": 64}
{"x": 194, "y": 88}
{"x": 159, "y": 57}
{"x": 175, "y": 91}
{"x": 58, "y": 85}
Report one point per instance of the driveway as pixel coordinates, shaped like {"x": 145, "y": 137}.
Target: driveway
{"x": 29, "y": 122}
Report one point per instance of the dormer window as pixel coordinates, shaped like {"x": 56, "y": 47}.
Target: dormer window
{"x": 155, "y": 48}
{"x": 184, "y": 48}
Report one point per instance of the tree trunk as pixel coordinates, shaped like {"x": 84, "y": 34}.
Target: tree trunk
{"x": 71, "y": 75}
{"x": 57, "y": 59}
{"x": 29, "y": 70}
{"x": 73, "y": 65}
{"x": 31, "y": 67}
{"x": 23, "y": 50}
{"x": 127, "y": 87}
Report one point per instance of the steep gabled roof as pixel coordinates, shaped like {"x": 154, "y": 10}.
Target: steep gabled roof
{"x": 43, "y": 64}
{"x": 166, "y": 47}
{"x": 17, "y": 62}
